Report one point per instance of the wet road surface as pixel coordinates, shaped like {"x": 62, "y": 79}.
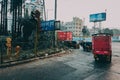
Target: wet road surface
{"x": 78, "y": 65}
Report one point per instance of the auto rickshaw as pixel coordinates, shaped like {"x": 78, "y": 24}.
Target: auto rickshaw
{"x": 101, "y": 47}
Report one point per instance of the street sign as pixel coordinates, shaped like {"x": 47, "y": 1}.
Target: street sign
{"x": 98, "y": 17}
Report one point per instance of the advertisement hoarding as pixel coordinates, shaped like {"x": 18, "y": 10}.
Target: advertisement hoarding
{"x": 50, "y": 25}
{"x": 98, "y": 17}
{"x": 33, "y": 0}
{"x": 69, "y": 36}
{"x": 64, "y": 36}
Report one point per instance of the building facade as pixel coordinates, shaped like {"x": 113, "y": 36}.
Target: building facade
{"x": 75, "y": 26}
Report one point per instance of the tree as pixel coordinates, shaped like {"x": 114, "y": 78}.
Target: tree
{"x": 28, "y": 24}
{"x": 85, "y": 31}
{"x": 107, "y": 30}
{"x": 116, "y": 31}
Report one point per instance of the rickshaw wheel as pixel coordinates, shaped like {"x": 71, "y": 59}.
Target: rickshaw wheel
{"x": 96, "y": 59}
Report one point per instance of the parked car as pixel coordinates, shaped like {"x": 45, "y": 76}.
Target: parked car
{"x": 86, "y": 44}
{"x": 71, "y": 44}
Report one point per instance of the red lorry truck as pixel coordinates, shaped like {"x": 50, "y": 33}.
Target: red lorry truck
{"x": 101, "y": 47}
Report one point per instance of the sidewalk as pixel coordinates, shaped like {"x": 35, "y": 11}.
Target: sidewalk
{"x": 17, "y": 62}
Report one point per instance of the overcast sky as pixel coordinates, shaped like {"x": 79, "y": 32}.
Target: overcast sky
{"x": 67, "y": 9}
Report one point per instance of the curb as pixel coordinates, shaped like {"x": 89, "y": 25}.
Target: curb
{"x": 30, "y": 60}
{"x": 17, "y": 62}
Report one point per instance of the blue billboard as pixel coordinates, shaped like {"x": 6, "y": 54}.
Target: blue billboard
{"x": 33, "y": 0}
{"x": 48, "y": 25}
{"x": 98, "y": 17}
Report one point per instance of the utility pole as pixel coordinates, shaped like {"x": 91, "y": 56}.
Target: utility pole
{"x": 55, "y": 9}
{"x": 55, "y": 40}
{"x": 100, "y": 27}
{"x": 44, "y": 9}
{"x": 94, "y": 27}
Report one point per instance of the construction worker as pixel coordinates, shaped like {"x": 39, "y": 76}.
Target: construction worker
{"x": 8, "y": 44}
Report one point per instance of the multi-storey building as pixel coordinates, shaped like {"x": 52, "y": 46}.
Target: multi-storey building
{"x": 75, "y": 26}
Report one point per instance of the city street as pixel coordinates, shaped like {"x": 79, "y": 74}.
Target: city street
{"x": 77, "y": 65}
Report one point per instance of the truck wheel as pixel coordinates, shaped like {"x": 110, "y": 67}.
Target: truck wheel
{"x": 109, "y": 59}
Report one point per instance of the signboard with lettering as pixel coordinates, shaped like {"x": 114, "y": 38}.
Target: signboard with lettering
{"x": 98, "y": 17}
{"x": 50, "y": 25}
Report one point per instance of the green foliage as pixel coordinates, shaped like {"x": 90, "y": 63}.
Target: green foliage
{"x": 116, "y": 31}
{"x": 85, "y": 31}
{"x": 107, "y": 30}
